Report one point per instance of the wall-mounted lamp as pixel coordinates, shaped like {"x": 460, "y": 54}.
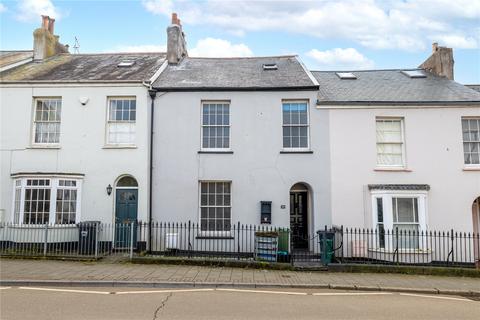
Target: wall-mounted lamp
{"x": 109, "y": 189}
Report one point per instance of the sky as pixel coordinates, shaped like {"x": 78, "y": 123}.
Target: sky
{"x": 326, "y": 34}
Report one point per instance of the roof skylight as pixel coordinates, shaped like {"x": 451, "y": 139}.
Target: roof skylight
{"x": 126, "y": 63}
{"x": 346, "y": 75}
{"x": 270, "y": 66}
{"x": 414, "y": 73}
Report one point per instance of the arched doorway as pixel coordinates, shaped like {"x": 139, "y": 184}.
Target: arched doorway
{"x": 299, "y": 216}
{"x": 126, "y": 210}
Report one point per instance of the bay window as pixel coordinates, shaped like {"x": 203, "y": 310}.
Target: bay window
{"x": 399, "y": 210}
{"x": 46, "y": 200}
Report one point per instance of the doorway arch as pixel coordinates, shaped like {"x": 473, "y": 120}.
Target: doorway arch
{"x": 126, "y": 210}
{"x": 300, "y": 213}
{"x": 476, "y": 230}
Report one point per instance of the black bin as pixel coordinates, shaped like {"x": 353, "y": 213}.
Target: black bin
{"x": 87, "y": 237}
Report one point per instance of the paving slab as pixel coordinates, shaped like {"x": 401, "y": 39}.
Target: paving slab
{"x": 115, "y": 273}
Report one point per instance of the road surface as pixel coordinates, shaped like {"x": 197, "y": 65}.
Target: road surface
{"x": 132, "y": 303}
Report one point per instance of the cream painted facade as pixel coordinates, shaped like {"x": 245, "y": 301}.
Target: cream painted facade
{"x": 434, "y": 155}
{"x": 82, "y": 149}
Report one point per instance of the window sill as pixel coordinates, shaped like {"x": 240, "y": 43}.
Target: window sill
{"x": 215, "y": 152}
{"x": 119, "y": 146}
{"x": 296, "y": 151}
{"x": 392, "y": 169}
{"x": 215, "y": 237}
{"x": 472, "y": 168}
{"x": 54, "y": 147}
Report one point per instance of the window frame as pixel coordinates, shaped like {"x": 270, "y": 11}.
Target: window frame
{"x": 33, "y": 128}
{"x": 469, "y": 165}
{"x": 387, "y": 197}
{"x": 403, "y": 165}
{"x": 108, "y": 122}
{"x": 294, "y": 149}
{"x": 214, "y": 233}
{"x": 53, "y": 187}
{"x": 202, "y": 125}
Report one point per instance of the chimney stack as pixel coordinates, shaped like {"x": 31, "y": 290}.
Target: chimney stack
{"x": 441, "y": 62}
{"x": 176, "y": 44}
{"x": 45, "y": 43}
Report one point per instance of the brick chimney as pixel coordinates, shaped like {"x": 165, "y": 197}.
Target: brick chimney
{"x": 176, "y": 44}
{"x": 440, "y": 62}
{"x": 45, "y": 43}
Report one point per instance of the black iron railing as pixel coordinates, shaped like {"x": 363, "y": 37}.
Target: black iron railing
{"x": 238, "y": 241}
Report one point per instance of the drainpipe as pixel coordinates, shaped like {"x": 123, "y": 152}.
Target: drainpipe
{"x": 152, "y": 94}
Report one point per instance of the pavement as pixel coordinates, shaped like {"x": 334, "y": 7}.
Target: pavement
{"x": 42, "y": 303}
{"x": 25, "y": 272}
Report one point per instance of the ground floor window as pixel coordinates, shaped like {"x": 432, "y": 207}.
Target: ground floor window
{"x": 399, "y": 217}
{"x": 215, "y": 206}
{"x": 41, "y": 200}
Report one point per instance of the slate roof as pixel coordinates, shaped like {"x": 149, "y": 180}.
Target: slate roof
{"x": 87, "y": 68}
{"x": 12, "y": 57}
{"x": 391, "y": 86}
{"x": 197, "y": 74}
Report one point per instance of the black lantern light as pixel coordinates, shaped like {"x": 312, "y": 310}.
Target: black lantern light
{"x": 109, "y": 189}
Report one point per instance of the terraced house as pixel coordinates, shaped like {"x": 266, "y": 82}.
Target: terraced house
{"x": 222, "y": 141}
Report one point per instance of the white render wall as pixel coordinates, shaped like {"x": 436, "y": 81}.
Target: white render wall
{"x": 434, "y": 156}
{"x": 256, "y": 168}
{"x": 82, "y": 142}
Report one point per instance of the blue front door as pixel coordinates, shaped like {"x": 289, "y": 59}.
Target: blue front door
{"x": 126, "y": 206}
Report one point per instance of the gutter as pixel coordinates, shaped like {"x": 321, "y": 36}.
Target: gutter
{"x": 396, "y": 103}
{"x": 200, "y": 89}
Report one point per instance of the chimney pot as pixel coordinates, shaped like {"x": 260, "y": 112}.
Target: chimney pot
{"x": 51, "y": 23}
{"x": 45, "y": 22}
{"x": 174, "y": 18}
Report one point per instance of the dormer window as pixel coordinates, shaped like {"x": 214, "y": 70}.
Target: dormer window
{"x": 126, "y": 63}
{"x": 270, "y": 66}
{"x": 346, "y": 75}
{"x": 414, "y": 73}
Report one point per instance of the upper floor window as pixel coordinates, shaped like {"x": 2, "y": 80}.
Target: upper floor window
{"x": 471, "y": 140}
{"x": 390, "y": 142}
{"x": 46, "y": 200}
{"x": 215, "y": 125}
{"x": 122, "y": 116}
{"x": 295, "y": 125}
{"x": 46, "y": 120}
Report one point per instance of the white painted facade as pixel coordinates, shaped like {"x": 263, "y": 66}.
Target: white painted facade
{"x": 257, "y": 169}
{"x": 434, "y": 155}
{"x": 82, "y": 149}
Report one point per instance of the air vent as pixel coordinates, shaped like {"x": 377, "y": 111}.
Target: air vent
{"x": 414, "y": 73}
{"x": 126, "y": 63}
{"x": 270, "y": 66}
{"x": 346, "y": 75}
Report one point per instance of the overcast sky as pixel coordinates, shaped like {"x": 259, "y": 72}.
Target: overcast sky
{"x": 326, "y": 34}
